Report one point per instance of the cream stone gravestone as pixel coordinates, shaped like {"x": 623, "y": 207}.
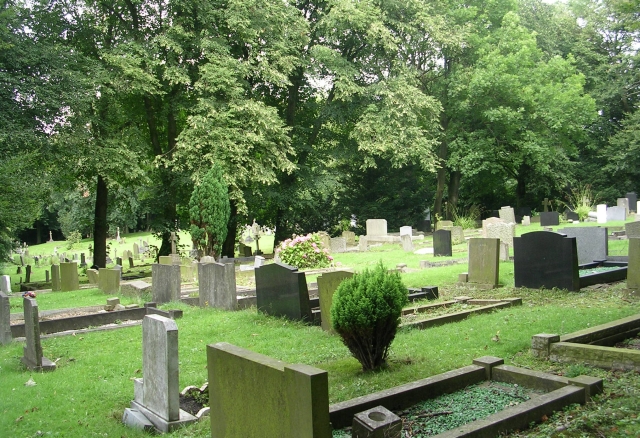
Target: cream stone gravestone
{"x": 507, "y": 214}
{"x": 503, "y": 231}
{"x": 632, "y": 229}
{"x": 33, "y": 358}
{"x": 484, "y": 267}
{"x": 624, "y": 203}
{"x": 457, "y": 235}
{"x": 69, "y": 277}
{"x": 338, "y": 245}
{"x": 165, "y": 260}
{"x": 5, "y": 319}
{"x": 504, "y": 252}
{"x": 327, "y": 285}
{"x": 363, "y": 244}
{"x": 350, "y": 237}
{"x": 406, "y": 230}
{"x": 109, "y": 281}
{"x": 376, "y": 227}
{"x": 55, "y": 278}
{"x": 601, "y": 213}
{"x": 490, "y": 220}
{"x": 407, "y": 243}
{"x": 217, "y": 285}
{"x": 5, "y": 284}
{"x": 633, "y": 270}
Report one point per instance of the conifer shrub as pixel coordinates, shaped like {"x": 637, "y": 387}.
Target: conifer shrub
{"x": 366, "y": 312}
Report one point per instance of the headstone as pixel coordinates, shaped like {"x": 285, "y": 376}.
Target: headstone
{"x": 406, "y": 230}
{"x": 118, "y": 234}
{"x": 442, "y": 243}
{"x": 526, "y": 221}
{"x": 624, "y": 203}
{"x": 546, "y": 204}
{"x": 407, "y": 243}
{"x": 33, "y": 358}
{"x": 376, "y": 227}
{"x": 350, "y": 237}
{"x": 5, "y": 284}
{"x": 258, "y": 261}
{"x": 46, "y": 276}
{"x": 50, "y": 237}
{"x": 325, "y": 240}
{"x": 69, "y": 277}
{"x": 83, "y": 260}
{"x": 55, "y": 278}
{"x": 601, "y": 212}
{"x": 119, "y": 261}
{"x": 616, "y": 213}
{"x": 501, "y": 230}
{"x": 157, "y": 394}
{"x": 545, "y": 259}
{"x": 632, "y": 229}
{"x": 5, "y": 319}
{"x": 483, "y": 261}
{"x": 443, "y": 225}
{"x": 632, "y": 201}
{"x": 521, "y": 212}
{"x": 173, "y": 243}
{"x": 282, "y": 291}
{"x": 549, "y": 219}
{"x": 21, "y": 260}
{"x": 490, "y": 220}
{"x": 109, "y": 281}
{"x": 633, "y": 270}
{"x": 338, "y": 244}
{"x": 27, "y": 273}
{"x": 207, "y": 259}
{"x": 592, "y": 243}
{"x": 165, "y": 280}
{"x": 135, "y": 288}
{"x": 92, "y": 276}
{"x": 165, "y": 260}
{"x": 136, "y": 250}
{"x": 217, "y": 285}
{"x": 507, "y": 214}
{"x": 327, "y": 285}
{"x": 363, "y": 244}
{"x": 571, "y": 215}
{"x": 457, "y": 235}
{"x": 424, "y": 226}
{"x": 504, "y": 252}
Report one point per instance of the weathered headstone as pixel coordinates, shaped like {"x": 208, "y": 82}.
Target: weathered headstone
{"x": 507, "y": 214}
{"x": 350, "y": 237}
{"x": 165, "y": 281}
{"x": 173, "y": 243}
{"x": 282, "y": 291}
{"x": 33, "y": 358}
{"x": 136, "y": 250}
{"x": 130, "y": 262}
{"x": 601, "y": 213}
{"x": 624, "y": 203}
{"x": 617, "y": 213}
{"x": 55, "y": 278}
{"x": 376, "y": 227}
{"x": 5, "y": 319}
{"x": 407, "y": 244}
{"x": 50, "y": 237}
{"x": 363, "y": 244}
{"x": 526, "y": 221}
{"x": 69, "y": 277}
{"x": 165, "y": 260}
{"x": 27, "y": 274}
{"x": 5, "y": 284}
{"x": 217, "y": 285}
{"x": 325, "y": 240}
{"x": 443, "y": 225}
{"x": 457, "y": 235}
{"x": 327, "y": 284}
{"x": 135, "y": 288}
{"x": 504, "y": 252}
{"x": 549, "y": 219}
{"x": 442, "y": 243}
{"x": 591, "y": 242}
{"x": 109, "y": 281}
{"x": 632, "y": 201}
{"x": 483, "y": 261}
{"x": 83, "y": 260}
{"x": 406, "y": 230}
{"x": 633, "y": 270}
{"x": 338, "y": 244}
{"x": 546, "y": 204}
{"x": 544, "y": 259}
{"x": 571, "y": 215}
{"x": 157, "y": 393}
{"x": 285, "y": 401}
{"x": 501, "y": 230}
{"x": 258, "y": 261}
{"x": 632, "y": 229}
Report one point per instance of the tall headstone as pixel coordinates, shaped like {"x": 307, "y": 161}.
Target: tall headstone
{"x": 55, "y": 278}
{"x": 490, "y": 220}
{"x": 632, "y": 201}
{"x": 33, "y": 358}
{"x": 507, "y": 214}
{"x": 50, "y": 237}
{"x": 350, "y": 237}
{"x": 282, "y": 291}
{"x": 217, "y": 285}
{"x": 592, "y": 242}
{"x": 165, "y": 280}
{"x": 69, "y": 277}
{"x": 624, "y": 203}
{"x": 407, "y": 243}
{"x": 546, "y": 204}
{"x": 5, "y": 319}
{"x": 136, "y": 250}
{"x": 338, "y": 244}
{"x": 325, "y": 240}
{"x": 406, "y": 230}
{"x": 617, "y": 213}
{"x": 442, "y": 243}
{"x": 109, "y": 281}
{"x": 549, "y": 219}
{"x": 544, "y": 259}
{"x": 157, "y": 393}
{"x": 5, "y": 284}
{"x": 633, "y": 270}
{"x": 484, "y": 266}
{"x": 632, "y": 229}
{"x": 92, "y": 276}
{"x": 327, "y": 284}
{"x": 173, "y": 243}
{"x": 601, "y": 213}
{"x": 376, "y": 227}
{"x": 27, "y": 274}
{"x": 83, "y": 260}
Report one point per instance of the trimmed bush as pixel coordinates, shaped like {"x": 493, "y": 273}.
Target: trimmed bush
{"x": 366, "y": 312}
{"x": 304, "y": 252}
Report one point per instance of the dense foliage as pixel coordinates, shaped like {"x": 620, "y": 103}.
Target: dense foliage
{"x": 366, "y": 312}
{"x": 304, "y": 252}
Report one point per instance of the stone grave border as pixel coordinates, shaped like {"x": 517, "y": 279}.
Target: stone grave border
{"x": 603, "y": 277}
{"x": 485, "y": 306}
{"x": 592, "y": 346}
{"x": 559, "y": 392}
{"x": 95, "y": 320}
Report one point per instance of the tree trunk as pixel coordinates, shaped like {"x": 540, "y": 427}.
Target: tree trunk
{"x": 100, "y": 227}
{"x": 454, "y": 189}
{"x": 229, "y": 245}
{"x": 521, "y": 187}
{"x": 441, "y": 177}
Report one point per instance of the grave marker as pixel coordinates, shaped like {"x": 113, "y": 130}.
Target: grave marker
{"x": 457, "y": 235}
{"x": 407, "y": 244}
{"x": 5, "y": 319}
{"x": 350, "y": 237}
{"x": 442, "y": 243}
{"x": 504, "y": 251}
{"x": 507, "y": 214}
{"x": 443, "y": 225}
{"x": 55, "y": 278}
{"x": 483, "y": 261}
{"x": 501, "y": 230}
{"x": 633, "y": 270}
{"x": 601, "y": 213}
{"x": 632, "y": 229}
{"x": 108, "y": 281}
{"x": 69, "y": 277}
{"x": 33, "y": 358}
{"x": 327, "y": 285}
{"x": 363, "y": 244}
{"x": 526, "y": 221}
{"x": 217, "y": 285}
{"x": 406, "y": 230}
{"x": 338, "y": 245}
{"x": 546, "y": 204}
{"x": 282, "y": 291}
{"x": 5, "y": 284}
{"x": 624, "y": 203}
{"x": 591, "y": 242}
{"x": 616, "y": 213}
{"x": 136, "y": 251}
{"x": 376, "y": 227}
{"x": 549, "y": 219}
{"x": 165, "y": 280}
{"x": 632, "y": 201}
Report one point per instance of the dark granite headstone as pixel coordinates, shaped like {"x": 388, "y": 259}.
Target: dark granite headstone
{"x": 592, "y": 242}
{"x": 633, "y": 201}
{"x": 442, "y": 243}
{"x": 544, "y": 259}
{"x": 571, "y": 215}
{"x": 282, "y": 291}
{"x": 549, "y": 218}
{"x": 424, "y": 226}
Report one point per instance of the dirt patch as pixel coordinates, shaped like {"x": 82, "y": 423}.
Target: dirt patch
{"x": 630, "y": 344}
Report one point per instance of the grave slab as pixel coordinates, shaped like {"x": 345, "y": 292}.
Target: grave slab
{"x": 549, "y": 219}
{"x": 592, "y": 242}
{"x": 165, "y": 283}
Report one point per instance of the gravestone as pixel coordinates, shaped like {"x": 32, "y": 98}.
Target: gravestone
{"x": 526, "y": 221}
{"x": 633, "y": 270}
{"x": 544, "y": 259}
{"x": 407, "y": 243}
{"x": 109, "y": 281}
{"x": 549, "y": 218}
{"x": 327, "y": 284}
{"x": 490, "y": 220}
{"x": 338, "y": 244}
{"x": 92, "y": 276}
{"x": 457, "y": 235}
{"x": 501, "y": 230}
{"x": 207, "y": 259}
{"x": 442, "y": 243}
{"x": 632, "y": 229}
{"x": 601, "y": 213}
{"x": 69, "y": 277}
{"x": 507, "y": 214}
{"x": 504, "y": 251}
{"x": 350, "y": 237}
{"x": 83, "y": 260}
{"x": 165, "y": 260}
{"x": 376, "y": 227}
{"x": 165, "y": 280}
{"x": 616, "y": 213}
{"x": 157, "y": 393}
{"x": 624, "y": 203}
{"x": 135, "y": 288}
{"x": 591, "y": 242}
{"x": 406, "y": 230}
{"x": 5, "y": 319}
{"x": 50, "y": 237}
{"x": 377, "y": 422}
{"x": 424, "y": 226}
{"x": 325, "y": 240}
{"x": 443, "y": 225}
{"x": 136, "y": 251}
{"x": 632, "y": 201}
{"x": 282, "y": 291}
{"x": 483, "y": 261}
{"x": 46, "y": 276}
{"x": 5, "y": 284}
{"x": 571, "y": 215}
{"x": 546, "y": 204}
{"x": 217, "y": 285}
{"x": 33, "y": 358}
{"x": 55, "y": 278}
{"x": 130, "y": 262}
{"x": 258, "y": 261}
{"x": 363, "y": 244}
{"x": 521, "y": 212}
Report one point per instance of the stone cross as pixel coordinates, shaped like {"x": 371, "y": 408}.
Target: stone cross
{"x": 118, "y": 234}
{"x": 546, "y": 204}
{"x": 50, "y": 236}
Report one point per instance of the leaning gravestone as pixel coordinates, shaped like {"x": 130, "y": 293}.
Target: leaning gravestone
{"x": 282, "y": 291}
{"x": 109, "y": 281}
{"x": 632, "y": 229}
{"x": 544, "y": 259}
{"x": 483, "y": 261}
{"x": 549, "y": 219}
{"x": 217, "y": 285}
{"x": 5, "y": 284}
{"x": 507, "y": 214}
{"x": 327, "y": 285}
{"x": 632, "y": 200}
{"x": 407, "y": 244}
{"x": 157, "y": 393}
{"x": 55, "y": 278}
{"x": 616, "y": 213}
{"x": 165, "y": 280}
{"x": 5, "y": 319}
{"x": 338, "y": 245}
{"x": 33, "y": 358}
{"x": 592, "y": 243}
{"x": 376, "y": 227}
{"x": 442, "y": 243}
{"x": 69, "y": 277}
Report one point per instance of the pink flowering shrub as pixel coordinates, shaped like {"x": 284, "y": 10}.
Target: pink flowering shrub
{"x": 304, "y": 252}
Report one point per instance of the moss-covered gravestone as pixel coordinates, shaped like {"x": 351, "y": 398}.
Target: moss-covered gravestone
{"x": 69, "y": 277}
{"x": 327, "y": 285}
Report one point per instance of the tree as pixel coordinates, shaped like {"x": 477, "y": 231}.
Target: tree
{"x": 209, "y": 212}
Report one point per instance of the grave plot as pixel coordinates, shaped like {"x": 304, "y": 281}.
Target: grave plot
{"x": 595, "y": 346}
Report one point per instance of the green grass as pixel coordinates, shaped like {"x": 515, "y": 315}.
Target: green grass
{"x": 72, "y": 299}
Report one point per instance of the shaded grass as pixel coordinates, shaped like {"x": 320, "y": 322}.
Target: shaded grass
{"x": 72, "y": 299}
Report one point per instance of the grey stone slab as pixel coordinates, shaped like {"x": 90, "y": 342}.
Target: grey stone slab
{"x": 632, "y": 199}
{"x": 32, "y": 351}
{"x": 109, "y": 281}
{"x": 327, "y": 285}
{"x": 500, "y": 230}
{"x": 507, "y": 214}
{"x": 632, "y": 229}
{"x": 338, "y": 244}
{"x": 363, "y": 244}
{"x": 376, "y": 227}
{"x": 217, "y": 285}
{"x": 69, "y": 277}
{"x": 549, "y": 218}
{"x": 165, "y": 281}
{"x": 592, "y": 242}
{"x": 5, "y": 319}
{"x": 633, "y": 270}
{"x": 55, "y": 278}
{"x": 282, "y": 291}
{"x": 5, "y": 284}
{"x": 378, "y": 422}
{"x": 616, "y": 214}
{"x": 407, "y": 243}
{"x": 484, "y": 266}
{"x": 624, "y": 203}
{"x": 135, "y": 288}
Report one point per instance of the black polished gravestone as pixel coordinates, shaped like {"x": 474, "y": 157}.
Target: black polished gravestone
{"x": 424, "y": 226}
{"x": 545, "y": 259}
{"x": 282, "y": 291}
{"x": 633, "y": 201}
{"x": 571, "y": 215}
{"x": 549, "y": 218}
{"x": 442, "y": 243}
